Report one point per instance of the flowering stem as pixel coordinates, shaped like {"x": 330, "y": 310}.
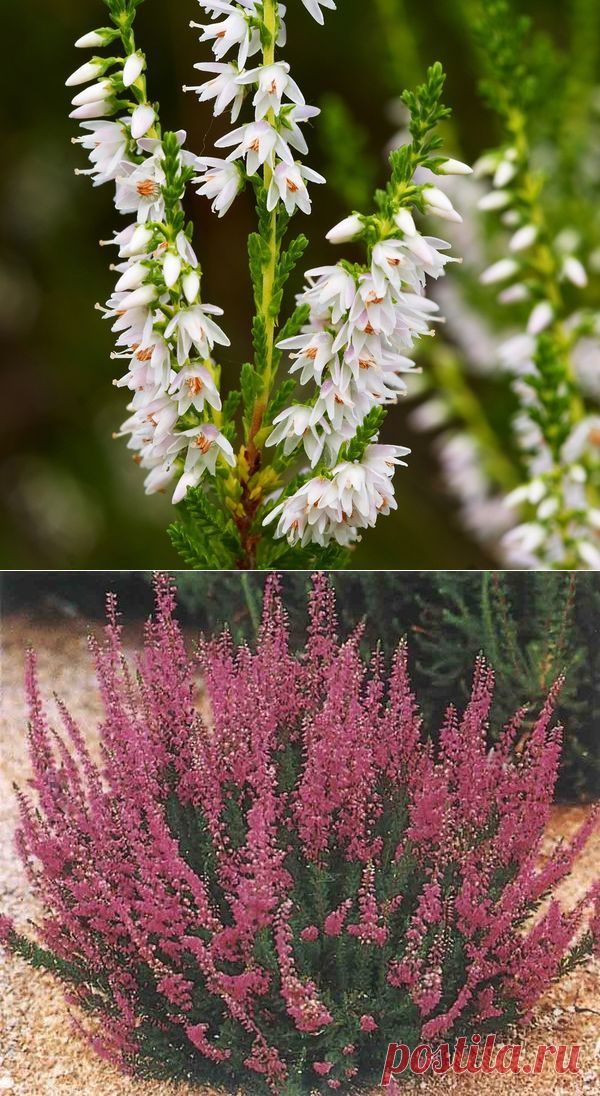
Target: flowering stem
{"x": 270, "y": 23}
{"x": 266, "y": 317}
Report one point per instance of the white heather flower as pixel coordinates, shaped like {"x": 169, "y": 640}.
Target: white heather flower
{"x": 193, "y": 327}
{"x": 314, "y": 7}
{"x": 340, "y": 408}
{"x": 314, "y": 351}
{"x": 293, "y": 427}
{"x": 583, "y": 438}
{"x": 372, "y": 310}
{"x": 302, "y": 517}
{"x": 346, "y": 230}
{"x": 160, "y": 477}
{"x": 205, "y": 444}
{"x": 287, "y": 185}
{"x": 219, "y": 180}
{"x": 289, "y": 122}
{"x": 140, "y": 190}
{"x": 274, "y": 81}
{"x": 106, "y": 143}
{"x": 232, "y": 31}
{"x": 194, "y": 386}
{"x": 157, "y": 411}
{"x": 257, "y": 142}
{"x": 331, "y": 290}
{"x": 151, "y": 335}
{"x": 224, "y": 87}
{"x": 337, "y": 508}
{"x": 186, "y": 250}
{"x": 523, "y": 542}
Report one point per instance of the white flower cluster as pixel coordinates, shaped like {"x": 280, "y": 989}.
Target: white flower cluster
{"x": 552, "y": 490}
{"x": 271, "y": 140}
{"x": 336, "y": 507}
{"x": 355, "y": 348}
{"x": 164, "y": 333}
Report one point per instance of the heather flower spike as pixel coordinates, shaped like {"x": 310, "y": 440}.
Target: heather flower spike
{"x": 556, "y": 519}
{"x": 192, "y": 880}
{"x": 277, "y": 471}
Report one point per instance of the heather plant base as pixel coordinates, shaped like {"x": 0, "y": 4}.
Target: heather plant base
{"x": 305, "y": 875}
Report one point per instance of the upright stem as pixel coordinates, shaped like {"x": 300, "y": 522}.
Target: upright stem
{"x": 251, "y": 495}
{"x": 270, "y": 16}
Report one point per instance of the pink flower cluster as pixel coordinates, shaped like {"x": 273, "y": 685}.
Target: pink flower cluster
{"x": 299, "y": 871}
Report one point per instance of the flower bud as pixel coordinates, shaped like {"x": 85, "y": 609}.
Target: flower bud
{"x": 138, "y": 243}
{"x": 133, "y": 68}
{"x": 132, "y": 278}
{"x": 95, "y": 93}
{"x": 540, "y": 318}
{"x": 405, "y": 221}
{"x": 454, "y": 167}
{"x": 496, "y": 199}
{"x": 439, "y": 203}
{"x": 523, "y": 238}
{"x": 91, "y": 70}
{"x": 141, "y": 297}
{"x": 98, "y": 109}
{"x": 346, "y": 230}
{"x": 171, "y": 269}
{"x": 505, "y": 173}
{"x": 191, "y": 286}
{"x": 96, "y": 38}
{"x": 142, "y": 120}
{"x": 499, "y": 272}
{"x": 575, "y": 272}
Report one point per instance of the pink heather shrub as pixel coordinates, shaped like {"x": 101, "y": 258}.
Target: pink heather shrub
{"x": 266, "y": 897}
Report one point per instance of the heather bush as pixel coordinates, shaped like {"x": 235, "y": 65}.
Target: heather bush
{"x": 273, "y": 871}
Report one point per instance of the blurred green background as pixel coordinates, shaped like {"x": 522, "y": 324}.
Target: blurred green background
{"x": 70, "y": 495}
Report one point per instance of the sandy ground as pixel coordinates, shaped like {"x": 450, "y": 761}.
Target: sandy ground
{"x": 40, "y": 1055}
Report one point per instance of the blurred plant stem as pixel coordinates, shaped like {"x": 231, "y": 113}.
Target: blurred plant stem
{"x": 581, "y": 80}
{"x": 403, "y": 55}
{"x": 449, "y": 377}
